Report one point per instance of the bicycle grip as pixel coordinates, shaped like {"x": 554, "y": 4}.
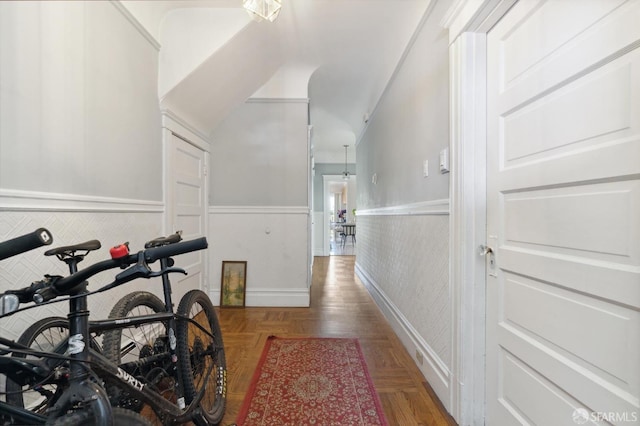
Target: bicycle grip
{"x": 38, "y": 238}
{"x": 155, "y": 253}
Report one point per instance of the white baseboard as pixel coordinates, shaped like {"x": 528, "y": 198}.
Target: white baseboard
{"x": 271, "y": 297}
{"x": 433, "y": 368}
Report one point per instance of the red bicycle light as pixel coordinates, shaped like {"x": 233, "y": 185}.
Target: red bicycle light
{"x": 119, "y": 251}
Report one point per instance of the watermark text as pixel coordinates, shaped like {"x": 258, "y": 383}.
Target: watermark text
{"x": 581, "y": 416}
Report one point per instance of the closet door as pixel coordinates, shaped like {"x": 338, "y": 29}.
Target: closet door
{"x": 187, "y": 208}
{"x": 563, "y": 209}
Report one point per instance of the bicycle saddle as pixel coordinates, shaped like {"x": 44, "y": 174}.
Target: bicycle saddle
{"x": 70, "y": 250}
{"x": 161, "y": 241}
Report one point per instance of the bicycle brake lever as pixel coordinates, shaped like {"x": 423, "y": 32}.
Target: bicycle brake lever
{"x": 139, "y": 270}
{"x": 167, "y": 271}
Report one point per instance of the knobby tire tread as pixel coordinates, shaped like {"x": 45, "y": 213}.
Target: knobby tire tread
{"x": 210, "y": 414}
{"x": 112, "y": 339}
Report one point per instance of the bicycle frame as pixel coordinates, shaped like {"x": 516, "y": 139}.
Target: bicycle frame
{"x": 109, "y": 371}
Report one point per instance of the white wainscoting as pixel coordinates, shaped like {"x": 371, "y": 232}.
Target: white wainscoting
{"x": 73, "y": 219}
{"x": 274, "y": 241}
{"x": 403, "y": 261}
{"x": 434, "y": 369}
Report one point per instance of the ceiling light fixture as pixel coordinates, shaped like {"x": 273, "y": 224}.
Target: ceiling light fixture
{"x": 263, "y": 9}
{"x": 345, "y": 174}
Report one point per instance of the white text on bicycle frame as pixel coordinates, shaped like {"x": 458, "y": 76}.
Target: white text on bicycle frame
{"x": 75, "y": 345}
{"x": 130, "y": 379}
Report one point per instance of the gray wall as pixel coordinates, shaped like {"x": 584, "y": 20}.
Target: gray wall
{"x": 403, "y": 249}
{"x": 259, "y": 156}
{"x": 410, "y": 125}
{"x": 78, "y": 107}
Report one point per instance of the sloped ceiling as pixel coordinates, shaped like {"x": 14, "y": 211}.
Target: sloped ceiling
{"x": 338, "y": 53}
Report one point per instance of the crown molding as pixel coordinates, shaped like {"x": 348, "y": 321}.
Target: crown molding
{"x": 136, "y": 24}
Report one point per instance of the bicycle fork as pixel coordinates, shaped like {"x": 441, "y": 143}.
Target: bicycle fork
{"x": 165, "y": 263}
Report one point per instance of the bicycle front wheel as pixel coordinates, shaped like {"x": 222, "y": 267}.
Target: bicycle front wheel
{"x": 201, "y": 356}
{"x": 45, "y": 335}
{"x": 120, "y": 417}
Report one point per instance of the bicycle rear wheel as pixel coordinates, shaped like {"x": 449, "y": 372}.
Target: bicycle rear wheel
{"x": 131, "y": 344}
{"x": 201, "y": 356}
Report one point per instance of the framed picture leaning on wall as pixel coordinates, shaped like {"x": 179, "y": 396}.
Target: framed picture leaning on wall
{"x": 233, "y": 283}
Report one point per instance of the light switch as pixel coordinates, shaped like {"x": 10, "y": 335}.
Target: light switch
{"x": 425, "y": 168}
{"x": 444, "y": 161}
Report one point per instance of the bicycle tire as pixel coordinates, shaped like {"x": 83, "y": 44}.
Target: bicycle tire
{"x": 120, "y": 417}
{"x": 44, "y": 335}
{"x": 131, "y": 344}
{"x": 197, "y": 352}
{"x": 133, "y": 304}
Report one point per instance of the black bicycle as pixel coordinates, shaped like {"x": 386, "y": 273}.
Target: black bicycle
{"x": 178, "y": 369}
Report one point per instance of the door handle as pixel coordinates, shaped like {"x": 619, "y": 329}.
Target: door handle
{"x": 484, "y": 250}
{"x": 487, "y": 251}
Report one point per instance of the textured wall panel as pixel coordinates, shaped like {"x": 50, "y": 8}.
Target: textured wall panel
{"x": 70, "y": 228}
{"x": 408, "y": 257}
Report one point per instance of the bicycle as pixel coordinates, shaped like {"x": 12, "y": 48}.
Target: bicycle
{"x": 126, "y": 349}
{"x": 199, "y": 350}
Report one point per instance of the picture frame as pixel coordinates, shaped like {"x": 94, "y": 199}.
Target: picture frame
{"x": 233, "y": 282}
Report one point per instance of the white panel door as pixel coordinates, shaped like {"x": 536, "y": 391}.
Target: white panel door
{"x": 563, "y": 212}
{"x": 188, "y": 207}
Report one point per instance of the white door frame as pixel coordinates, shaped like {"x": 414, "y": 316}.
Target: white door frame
{"x": 468, "y": 22}
{"x": 467, "y": 230}
{"x": 326, "y": 180}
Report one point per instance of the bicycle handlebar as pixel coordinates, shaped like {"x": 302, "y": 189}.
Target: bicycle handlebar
{"x": 155, "y": 253}
{"x": 38, "y": 238}
{"x": 53, "y": 286}
{"x": 66, "y": 284}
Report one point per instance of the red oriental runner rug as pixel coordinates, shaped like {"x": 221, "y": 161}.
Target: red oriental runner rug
{"x": 311, "y": 382}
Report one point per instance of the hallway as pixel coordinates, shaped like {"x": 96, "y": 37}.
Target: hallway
{"x": 340, "y": 307}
